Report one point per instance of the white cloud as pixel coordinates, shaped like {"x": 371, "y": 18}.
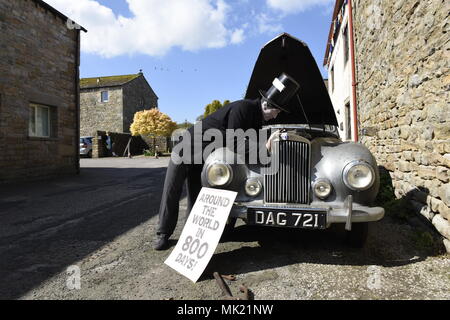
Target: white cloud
{"x": 295, "y": 6}
{"x": 237, "y": 36}
{"x": 155, "y": 26}
{"x": 267, "y": 24}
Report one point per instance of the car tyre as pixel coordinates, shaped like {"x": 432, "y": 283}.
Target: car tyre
{"x": 357, "y": 237}
{"x": 89, "y": 154}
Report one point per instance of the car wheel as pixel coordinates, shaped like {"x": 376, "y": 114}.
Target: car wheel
{"x": 89, "y": 154}
{"x": 357, "y": 237}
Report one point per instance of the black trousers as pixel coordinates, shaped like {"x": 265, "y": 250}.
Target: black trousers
{"x": 176, "y": 175}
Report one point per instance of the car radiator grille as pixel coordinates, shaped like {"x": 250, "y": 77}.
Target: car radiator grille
{"x": 290, "y": 184}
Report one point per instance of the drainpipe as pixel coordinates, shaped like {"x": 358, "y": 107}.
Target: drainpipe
{"x": 353, "y": 59}
{"x": 77, "y": 102}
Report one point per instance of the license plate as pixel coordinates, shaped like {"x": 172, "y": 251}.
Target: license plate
{"x": 292, "y": 218}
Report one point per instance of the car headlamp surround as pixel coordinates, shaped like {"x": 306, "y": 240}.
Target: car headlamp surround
{"x": 322, "y": 188}
{"x": 253, "y": 187}
{"x": 219, "y": 174}
{"x": 358, "y": 175}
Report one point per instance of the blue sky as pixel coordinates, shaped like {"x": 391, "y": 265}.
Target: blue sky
{"x": 191, "y": 51}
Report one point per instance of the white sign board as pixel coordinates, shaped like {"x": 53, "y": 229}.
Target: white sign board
{"x": 202, "y": 232}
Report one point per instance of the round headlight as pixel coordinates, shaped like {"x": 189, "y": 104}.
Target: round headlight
{"x": 219, "y": 174}
{"x": 253, "y": 187}
{"x": 322, "y": 188}
{"x": 359, "y": 175}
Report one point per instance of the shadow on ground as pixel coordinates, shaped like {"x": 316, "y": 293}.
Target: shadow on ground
{"x": 35, "y": 254}
{"x": 402, "y": 237}
{"x": 390, "y": 244}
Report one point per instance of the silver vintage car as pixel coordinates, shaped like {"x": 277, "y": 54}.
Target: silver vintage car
{"x": 320, "y": 180}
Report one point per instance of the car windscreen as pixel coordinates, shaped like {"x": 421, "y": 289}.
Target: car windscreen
{"x": 86, "y": 140}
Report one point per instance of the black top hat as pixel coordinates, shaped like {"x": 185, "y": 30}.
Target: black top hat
{"x": 282, "y": 90}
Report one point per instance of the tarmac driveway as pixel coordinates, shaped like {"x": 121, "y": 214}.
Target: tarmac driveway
{"x": 101, "y": 224}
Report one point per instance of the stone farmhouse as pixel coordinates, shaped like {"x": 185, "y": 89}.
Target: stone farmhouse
{"x": 109, "y": 103}
{"x": 340, "y": 71}
{"x": 39, "y": 92}
{"x": 388, "y": 67}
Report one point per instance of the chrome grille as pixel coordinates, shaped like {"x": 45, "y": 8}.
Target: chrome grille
{"x": 290, "y": 184}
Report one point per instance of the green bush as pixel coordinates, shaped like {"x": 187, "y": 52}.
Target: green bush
{"x": 386, "y": 193}
{"x": 149, "y": 153}
{"x": 397, "y": 208}
{"x": 424, "y": 239}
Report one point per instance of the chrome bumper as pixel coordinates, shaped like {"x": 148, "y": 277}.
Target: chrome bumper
{"x": 348, "y": 213}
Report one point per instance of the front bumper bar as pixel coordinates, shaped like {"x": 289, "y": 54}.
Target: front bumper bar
{"x": 347, "y": 213}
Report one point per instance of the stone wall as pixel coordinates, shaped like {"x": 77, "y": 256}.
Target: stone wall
{"x": 117, "y": 114}
{"x": 163, "y": 143}
{"x": 38, "y": 56}
{"x": 97, "y": 115}
{"x": 403, "y": 61}
{"x": 119, "y": 144}
{"x": 137, "y": 96}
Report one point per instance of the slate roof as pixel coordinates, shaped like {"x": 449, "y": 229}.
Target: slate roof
{"x": 111, "y": 81}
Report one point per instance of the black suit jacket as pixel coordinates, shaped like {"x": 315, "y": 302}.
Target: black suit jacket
{"x": 241, "y": 114}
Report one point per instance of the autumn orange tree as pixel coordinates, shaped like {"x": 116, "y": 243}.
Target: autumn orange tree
{"x": 152, "y": 123}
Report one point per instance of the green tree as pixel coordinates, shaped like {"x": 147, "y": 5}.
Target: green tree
{"x": 184, "y": 125}
{"x": 214, "y": 106}
{"x": 207, "y": 110}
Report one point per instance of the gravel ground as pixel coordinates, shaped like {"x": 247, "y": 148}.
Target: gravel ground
{"x": 111, "y": 246}
{"x": 297, "y": 265}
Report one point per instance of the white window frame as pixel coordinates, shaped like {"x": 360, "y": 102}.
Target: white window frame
{"x": 35, "y": 134}
{"x": 107, "y": 96}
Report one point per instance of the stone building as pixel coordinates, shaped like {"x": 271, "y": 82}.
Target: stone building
{"x": 39, "y": 98}
{"x": 338, "y": 58}
{"x": 109, "y": 103}
{"x": 402, "y": 89}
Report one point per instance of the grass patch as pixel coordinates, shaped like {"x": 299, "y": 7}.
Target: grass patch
{"x": 402, "y": 211}
{"x": 386, "y": 193}
{"x": 424, "y": 240}
{"x": 150, "y": 153}
{"x": 399, "y": 209}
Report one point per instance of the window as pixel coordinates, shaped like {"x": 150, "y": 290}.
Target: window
{"x": 348, "y": 122}
{"x": 345, "y": 38}
{"x": 105, "y": 96}
{"x": 39, "y": 125}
